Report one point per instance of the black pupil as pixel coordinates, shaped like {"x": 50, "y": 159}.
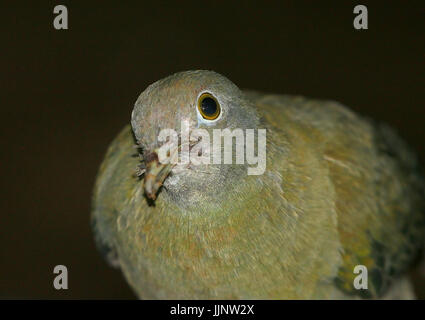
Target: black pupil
{"x": 209, "y": 106}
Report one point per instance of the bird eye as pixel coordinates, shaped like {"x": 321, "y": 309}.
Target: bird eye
{"x": 208, "y": 106}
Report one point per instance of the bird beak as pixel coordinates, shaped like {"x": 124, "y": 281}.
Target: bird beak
{"x": 155, "y": 174}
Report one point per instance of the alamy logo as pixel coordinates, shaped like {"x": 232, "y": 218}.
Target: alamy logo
{"x": 206, "y": 150}
{"x": 360, "y": 281}
{"x": 61, "y": 20}
{"x": 360, "y": 21}
{"x": 61, "y": 280}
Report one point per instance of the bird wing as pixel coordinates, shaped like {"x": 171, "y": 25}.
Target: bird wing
{"x": 379, "y": 201}
{"x": 379, "y": 193}
{"x": 114, "y": 182}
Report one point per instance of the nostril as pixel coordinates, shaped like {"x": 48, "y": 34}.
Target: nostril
{"x": 150, "y": 157}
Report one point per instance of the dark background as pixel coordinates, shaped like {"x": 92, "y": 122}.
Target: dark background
{"x": 65, "y": 94}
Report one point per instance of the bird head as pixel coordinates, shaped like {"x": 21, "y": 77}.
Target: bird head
{"x": 184, "y": 103}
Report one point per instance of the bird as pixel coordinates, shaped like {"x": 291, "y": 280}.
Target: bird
{"x": 339, "y": 190}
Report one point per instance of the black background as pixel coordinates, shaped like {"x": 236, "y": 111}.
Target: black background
{"x": 65, "y": 94}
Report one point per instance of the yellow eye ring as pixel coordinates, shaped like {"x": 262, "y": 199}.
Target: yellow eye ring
{"x": 208, "y": 106}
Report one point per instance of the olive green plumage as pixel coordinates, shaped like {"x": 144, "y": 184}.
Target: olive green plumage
{"x": 338, "y": 191}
